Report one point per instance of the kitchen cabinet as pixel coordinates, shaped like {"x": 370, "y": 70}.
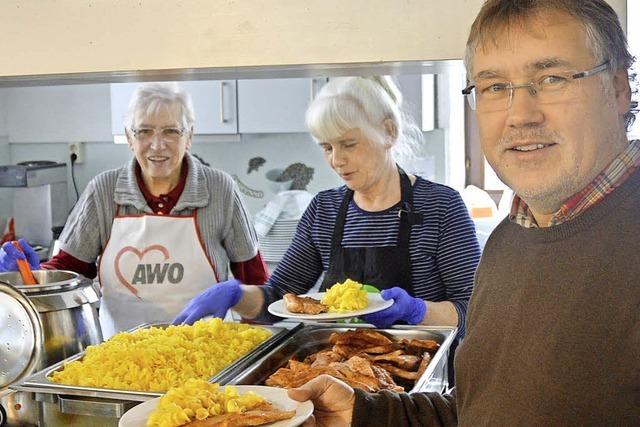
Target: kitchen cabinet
{"x": 58, "y": 113}
{"x": 214, "y": 102}
{"x": 275, "y": 105}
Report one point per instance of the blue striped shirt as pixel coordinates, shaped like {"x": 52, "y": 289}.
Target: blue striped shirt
{"x": 444, "y": 249}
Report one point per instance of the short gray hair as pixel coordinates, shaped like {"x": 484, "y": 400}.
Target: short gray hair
{"x": 149, "y": 97}
{"x": 604, "y": 34}
{"x": 347, "y": 103}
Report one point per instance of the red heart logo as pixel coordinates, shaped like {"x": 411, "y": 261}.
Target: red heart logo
{"x": 140, "y": 254}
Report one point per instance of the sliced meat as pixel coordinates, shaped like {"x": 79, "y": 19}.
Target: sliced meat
{"x": 355, "y": 379}
{"x": 380, "y": 349}
{"x": 385, "y": 379}
{"x": 359, "y": 338}
{"x": 325, "y": 358}
{"x": 397, "y": 358}
{"x": 362, "y": 358}
{"x": 345, "y": 351}
{"x": 249, "y": 418}
{"x": 398, "y": 372}
{"x": 426, "y": 358}
{"x": 421, "y": 345}
{"x": 306, "y": 305}
{"x": 361, "y": 366}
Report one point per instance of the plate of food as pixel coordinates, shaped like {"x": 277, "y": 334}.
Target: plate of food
{"x": 254, "y": 405}
{"x": 341, "y": 301}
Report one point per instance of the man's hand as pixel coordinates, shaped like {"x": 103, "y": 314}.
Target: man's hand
{"x": 215, "y": 301}
{"x": 405, "y": 307}
{"x": 9, "y": 254}
{"x": 332, "y": 399}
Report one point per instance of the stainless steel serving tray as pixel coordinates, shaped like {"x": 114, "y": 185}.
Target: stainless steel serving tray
{"x": 313, "y": 338}
{"x": 40, "y": 383}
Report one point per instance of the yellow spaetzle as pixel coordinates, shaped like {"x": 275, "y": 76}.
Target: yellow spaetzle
{"x": 157, "y": 359}
{"x": 346, "y": 296}
{"x": 198, "y": 400}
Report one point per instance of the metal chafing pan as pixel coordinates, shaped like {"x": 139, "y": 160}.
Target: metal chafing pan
{"x": 40, "y": 383}
{"x": 313, "y": 338}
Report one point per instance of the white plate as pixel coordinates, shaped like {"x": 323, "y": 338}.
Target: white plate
{"x": 137, "y": 416}
{"x": 376, "y": 303}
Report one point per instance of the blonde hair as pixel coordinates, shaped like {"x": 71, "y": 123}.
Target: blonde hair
{"x": 365, "y": 103}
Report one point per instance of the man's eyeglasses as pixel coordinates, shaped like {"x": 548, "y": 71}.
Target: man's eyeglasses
{"x": 168, "y": 134}
{"x": 497, "y": 95}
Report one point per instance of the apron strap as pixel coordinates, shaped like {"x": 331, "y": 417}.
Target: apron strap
{"x": 338, "y": 228}
{"x": 406, "y": 214}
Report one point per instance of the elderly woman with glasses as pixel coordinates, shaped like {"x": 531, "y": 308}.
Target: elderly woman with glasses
{"x": 164, "y": 227}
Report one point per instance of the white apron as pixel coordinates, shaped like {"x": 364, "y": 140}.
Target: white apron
{"x": 151, "y": 267}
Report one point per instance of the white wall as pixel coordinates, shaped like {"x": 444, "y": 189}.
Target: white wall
{"x": 73, "y": 36}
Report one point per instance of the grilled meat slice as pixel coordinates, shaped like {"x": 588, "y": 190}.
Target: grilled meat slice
{"x": 398, "y": 372}
{"x": 250, "y": 418}
{"x": 385, "y": 379}
{"x": 419, "y": 346}
{"x": 324, "y": 358}
{"x": 426, "y": 358}
{"x": 345, "y": 351}
{"x": 306, "y": 305}
{"x": 359, "y": 338}
{"x": 397, "y": 358}
{"x": 382, "y": 349}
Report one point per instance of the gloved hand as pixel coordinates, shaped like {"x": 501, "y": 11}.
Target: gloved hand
{"x": 405, "y": 307}
{"x": 9, "y": 254}
{"x": 215, "y": 301}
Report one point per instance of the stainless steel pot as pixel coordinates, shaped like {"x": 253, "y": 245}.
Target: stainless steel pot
{"x": 41, "y": 325}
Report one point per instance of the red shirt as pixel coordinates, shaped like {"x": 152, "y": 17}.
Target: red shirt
{"x": 252, "y": 272}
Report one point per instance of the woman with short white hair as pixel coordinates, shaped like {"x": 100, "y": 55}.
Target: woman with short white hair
{"x": 408, "y": 236}
{"x": 164, "y": 227}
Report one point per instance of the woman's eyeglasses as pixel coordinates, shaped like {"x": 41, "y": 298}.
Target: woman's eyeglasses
{"x": 168, "y": 134}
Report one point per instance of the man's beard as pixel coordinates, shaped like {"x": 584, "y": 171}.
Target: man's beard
{"x": 544, "y": 198}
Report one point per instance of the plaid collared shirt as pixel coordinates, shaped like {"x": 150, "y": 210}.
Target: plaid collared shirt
{"x": 615, "y": 174}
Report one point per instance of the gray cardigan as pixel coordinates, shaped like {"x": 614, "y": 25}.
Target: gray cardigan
{"x": 225, "y": 226}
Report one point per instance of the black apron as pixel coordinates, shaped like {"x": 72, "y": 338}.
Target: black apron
{"x": 382, "y": 267}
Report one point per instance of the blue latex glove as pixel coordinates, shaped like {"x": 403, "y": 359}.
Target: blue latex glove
{"x": 9, "y": 254}
{"x": 215, "y": 301}
{"x": 405, "y": 307}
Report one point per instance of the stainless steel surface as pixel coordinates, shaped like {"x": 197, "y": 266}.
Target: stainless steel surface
{"x": 21, "y": 336}
{"x": 39, "y": 197}
{"x": 51, "y": 415}
{"x": 32, "y": 176}
{"x": 17, "y": 409}
{"x": 232, "y": 73}
{"x": 62, "y": 322}
{"x": 315, "y": 338}
{"x": 48, "y": 280}
{"x": 65, "y": 302}
{"x": 39, "y": 382}
{"x": 93, "y": 406}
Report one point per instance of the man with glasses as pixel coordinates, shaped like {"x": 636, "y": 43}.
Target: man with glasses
{"x": 553, "y": 327}
{"x": 165, "y": 227}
